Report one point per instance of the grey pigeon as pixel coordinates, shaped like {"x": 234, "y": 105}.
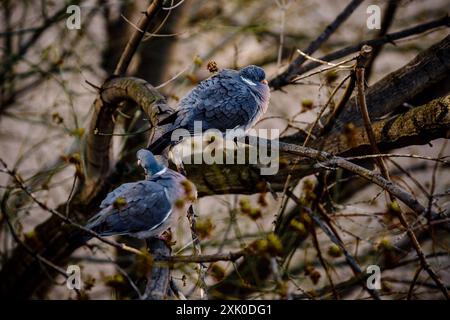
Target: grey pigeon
{"x": 228, "y": 100}
{"x": 144, "y": 208}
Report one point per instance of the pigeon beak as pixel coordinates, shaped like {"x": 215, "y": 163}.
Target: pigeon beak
{"x": 265, "y": 82}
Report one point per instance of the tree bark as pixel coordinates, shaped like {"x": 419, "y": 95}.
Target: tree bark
{"x": 21, "y": 275}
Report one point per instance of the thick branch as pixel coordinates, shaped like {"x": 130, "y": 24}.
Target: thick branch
{"x": 159, "y": 277}
{"x": 101, "y": 128}
{"x": 137, "y": 36}
{"x": 50, "y": 237}
{"x": 422, "y": 73}
{"x": 417, "y": 126}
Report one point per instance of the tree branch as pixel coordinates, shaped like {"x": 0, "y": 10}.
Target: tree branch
{"x": 159, "y": 276}
{"x": 277, "y": 83}
{"x": 137, "y": 36}
{"x": 101, "y": 128}
{"x": 285, "y": 77}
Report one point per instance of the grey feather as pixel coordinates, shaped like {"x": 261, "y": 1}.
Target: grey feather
{"x": 146, "y": 206}
{"x": 231, "y": 99}
{"x": 113, "y": 195}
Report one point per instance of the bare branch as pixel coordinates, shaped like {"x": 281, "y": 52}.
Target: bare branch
{"x": 279, "y": 82}
{"x": 137, "y": 36}
{"x": 292, "y": 70}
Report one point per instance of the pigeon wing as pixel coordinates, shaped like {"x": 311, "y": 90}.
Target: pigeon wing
{"x": 113, "y": 195}
{"x": 146, "y": 207}
{"x": 220, "y": 102}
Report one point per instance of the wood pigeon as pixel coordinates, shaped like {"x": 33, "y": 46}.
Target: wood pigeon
{"x": 144, "y": 208}
{"x": 228, "y": 100}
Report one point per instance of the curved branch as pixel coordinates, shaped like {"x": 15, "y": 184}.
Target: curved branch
{"x": 112, "y": 93}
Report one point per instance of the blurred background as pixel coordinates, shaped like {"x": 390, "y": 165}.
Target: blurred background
{"x": 48, "y": 75}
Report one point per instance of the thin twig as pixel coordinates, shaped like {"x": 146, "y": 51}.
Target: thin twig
{"x": 324, "y": 263}
{"x": 331, "y": 160}
{"x": 386, "y": 22}
{"x": 400, "y": 155}
{"x": 173, "y": 6}
{"x": 71, "y": 194}
{"x": 362, "y": 59}
{"x": 307, "y": 56}
{"x": 197, "y": 251}
{"x": 196, "y": 244}
{"x": 356, "y": 269}
{"x": 37, "y": 256}
{"x": 365, "y": 53}
{"x": 339, "y": 66}
{"x": 122, "y": 271}
{"x": 291, "y": 72}
{"x": 282, "y": 80}
{"x": 43, "y": 206}
{"x": 283, "y": 8}
{"x": 322, "y": 110}
{"x": 413, "y": 282}
{"x": 230, "y": 256}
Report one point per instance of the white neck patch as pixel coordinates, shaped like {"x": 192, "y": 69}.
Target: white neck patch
{"x": 248, "y": 81}
{"x": 160, "y": 172}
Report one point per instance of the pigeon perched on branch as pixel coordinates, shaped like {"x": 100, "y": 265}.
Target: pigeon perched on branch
{"x": 144, "y": 208}
{"x": 228, "y": 100}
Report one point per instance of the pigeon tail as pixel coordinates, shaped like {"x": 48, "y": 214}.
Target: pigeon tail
{"x": 77, "y": 238}
{"x": 158, "y": 146}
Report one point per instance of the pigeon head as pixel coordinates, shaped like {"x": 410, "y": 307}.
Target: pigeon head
{"x": 147, "y": 160}
{"x": 253, "y": 76}
{"x": 255, "y": 79}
